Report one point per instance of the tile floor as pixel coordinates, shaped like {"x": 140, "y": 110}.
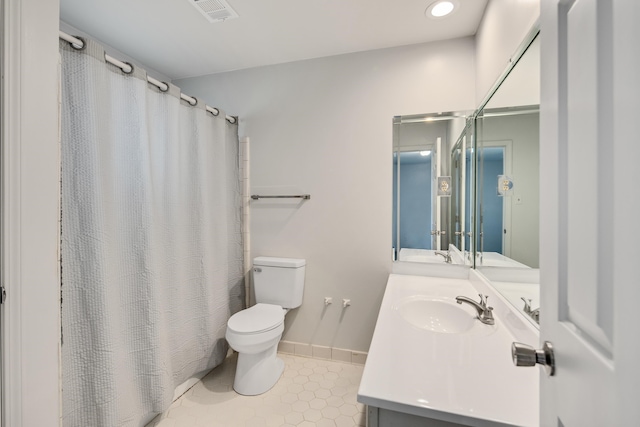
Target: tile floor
{"x": 311, "y": 392}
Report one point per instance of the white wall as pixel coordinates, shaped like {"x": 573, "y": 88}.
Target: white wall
{"x": 456, "y": 127}
{"x": 421, "y": 135}
{"x": 324, "y": 127}
{"x": 504, "y": 25}
{"x": 30, "y": 192}
{"x": 522, "y": 85}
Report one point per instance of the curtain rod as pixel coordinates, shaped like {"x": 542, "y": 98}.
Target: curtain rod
{"x": 78, "y": 44}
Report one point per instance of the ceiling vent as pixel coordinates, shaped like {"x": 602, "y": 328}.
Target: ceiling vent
{"x": 214, "y": 10}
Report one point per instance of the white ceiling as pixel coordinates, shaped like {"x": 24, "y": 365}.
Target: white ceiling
{"x": 173, "y": 38}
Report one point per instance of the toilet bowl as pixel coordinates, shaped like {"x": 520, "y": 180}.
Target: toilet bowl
{"x": 254, "y": 333}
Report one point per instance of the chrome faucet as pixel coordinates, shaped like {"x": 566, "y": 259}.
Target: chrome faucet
{"x": 485, "y": 314}
{"x": 533, "y": 313}
{"x": 469, "y": 255}
{"x": 445, "y": 255}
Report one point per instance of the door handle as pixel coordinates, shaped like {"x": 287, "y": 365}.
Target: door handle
{"x": 525, "y": 355}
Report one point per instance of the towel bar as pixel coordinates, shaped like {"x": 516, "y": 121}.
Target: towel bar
{"x": 299, "y": 196}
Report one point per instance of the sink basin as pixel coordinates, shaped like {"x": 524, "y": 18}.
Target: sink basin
{"x": 434, "y": 314}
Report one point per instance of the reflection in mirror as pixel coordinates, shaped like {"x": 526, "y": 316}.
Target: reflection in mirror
{"x": 507, "y": 199}
{"x": 462, "y": 175}
{"x": 508, "y": 190}
{"x": 458, "y": 196}
{"x": 422, "y": 187}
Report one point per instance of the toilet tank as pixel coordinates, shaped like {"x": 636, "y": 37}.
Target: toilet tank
{"x": 279, "y": 281}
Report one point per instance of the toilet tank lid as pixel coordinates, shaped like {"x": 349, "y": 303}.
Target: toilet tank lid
{"x": 279, "y": 262}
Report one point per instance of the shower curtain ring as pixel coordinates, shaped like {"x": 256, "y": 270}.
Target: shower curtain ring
{"x": 84, "y": 44}
{"x": 130, "y": 65}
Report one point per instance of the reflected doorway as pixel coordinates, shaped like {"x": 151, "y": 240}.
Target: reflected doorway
{"x": 493, "y": 227}
{"x": 414, "y": 204}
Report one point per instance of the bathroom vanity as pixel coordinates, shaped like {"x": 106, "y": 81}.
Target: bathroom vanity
{"x": 432, "y": 362}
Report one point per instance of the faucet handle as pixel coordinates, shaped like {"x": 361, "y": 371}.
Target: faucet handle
{"x": 487, "y": 312}
{"x": 535, "y": 314}
{"x": 527, "y": 304}
{"x": 483, "y": 300}
{"x": 488, "y": 316}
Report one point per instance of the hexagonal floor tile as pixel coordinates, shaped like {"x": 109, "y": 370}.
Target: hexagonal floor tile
{"x": 311, "y": 392}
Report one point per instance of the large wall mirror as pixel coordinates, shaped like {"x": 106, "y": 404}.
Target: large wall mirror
{"x": 466, "y": 186}
{"x": 508, "y": 192}
{"x": 423, "y": 187}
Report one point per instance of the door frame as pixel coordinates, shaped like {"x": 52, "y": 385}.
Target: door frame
{"x": 507, "y": 169}
{"x": 30, "y": 207}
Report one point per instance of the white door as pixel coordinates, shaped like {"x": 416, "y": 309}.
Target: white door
{"x": 590, "y": 205}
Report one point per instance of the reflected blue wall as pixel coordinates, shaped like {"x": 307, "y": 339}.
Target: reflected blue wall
{"x": 415, "y": 201}
{"x": 493, "y": 165}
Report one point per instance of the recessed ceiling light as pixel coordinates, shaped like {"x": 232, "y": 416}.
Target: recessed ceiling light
{"x": 441, "y": 9}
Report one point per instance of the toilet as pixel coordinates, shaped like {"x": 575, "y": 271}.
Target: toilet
{"x": 255, "y": 332}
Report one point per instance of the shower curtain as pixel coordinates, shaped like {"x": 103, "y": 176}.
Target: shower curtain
{"x": 151, "y": 245}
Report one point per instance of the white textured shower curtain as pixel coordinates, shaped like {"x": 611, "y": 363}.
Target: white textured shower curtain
{"x": 151, "y": 241}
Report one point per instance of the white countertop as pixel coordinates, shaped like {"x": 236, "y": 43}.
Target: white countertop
{"x": 420, "y": 255}
{"x": 514, "y": 291}
{"x": 466, "y": 378}
{"x": 494, "y": 259}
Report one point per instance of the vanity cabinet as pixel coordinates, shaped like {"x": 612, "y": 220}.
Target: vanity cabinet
{"x": 378, "y": 417}
{"x": 433, "y": 363}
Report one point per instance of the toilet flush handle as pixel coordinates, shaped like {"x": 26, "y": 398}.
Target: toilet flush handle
{"x": 257, "y": 270}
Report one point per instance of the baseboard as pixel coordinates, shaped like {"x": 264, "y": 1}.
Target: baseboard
{"x": 322, "y": 352}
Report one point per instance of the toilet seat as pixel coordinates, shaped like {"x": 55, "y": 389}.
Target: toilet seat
{"x": 257, "y": 319}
